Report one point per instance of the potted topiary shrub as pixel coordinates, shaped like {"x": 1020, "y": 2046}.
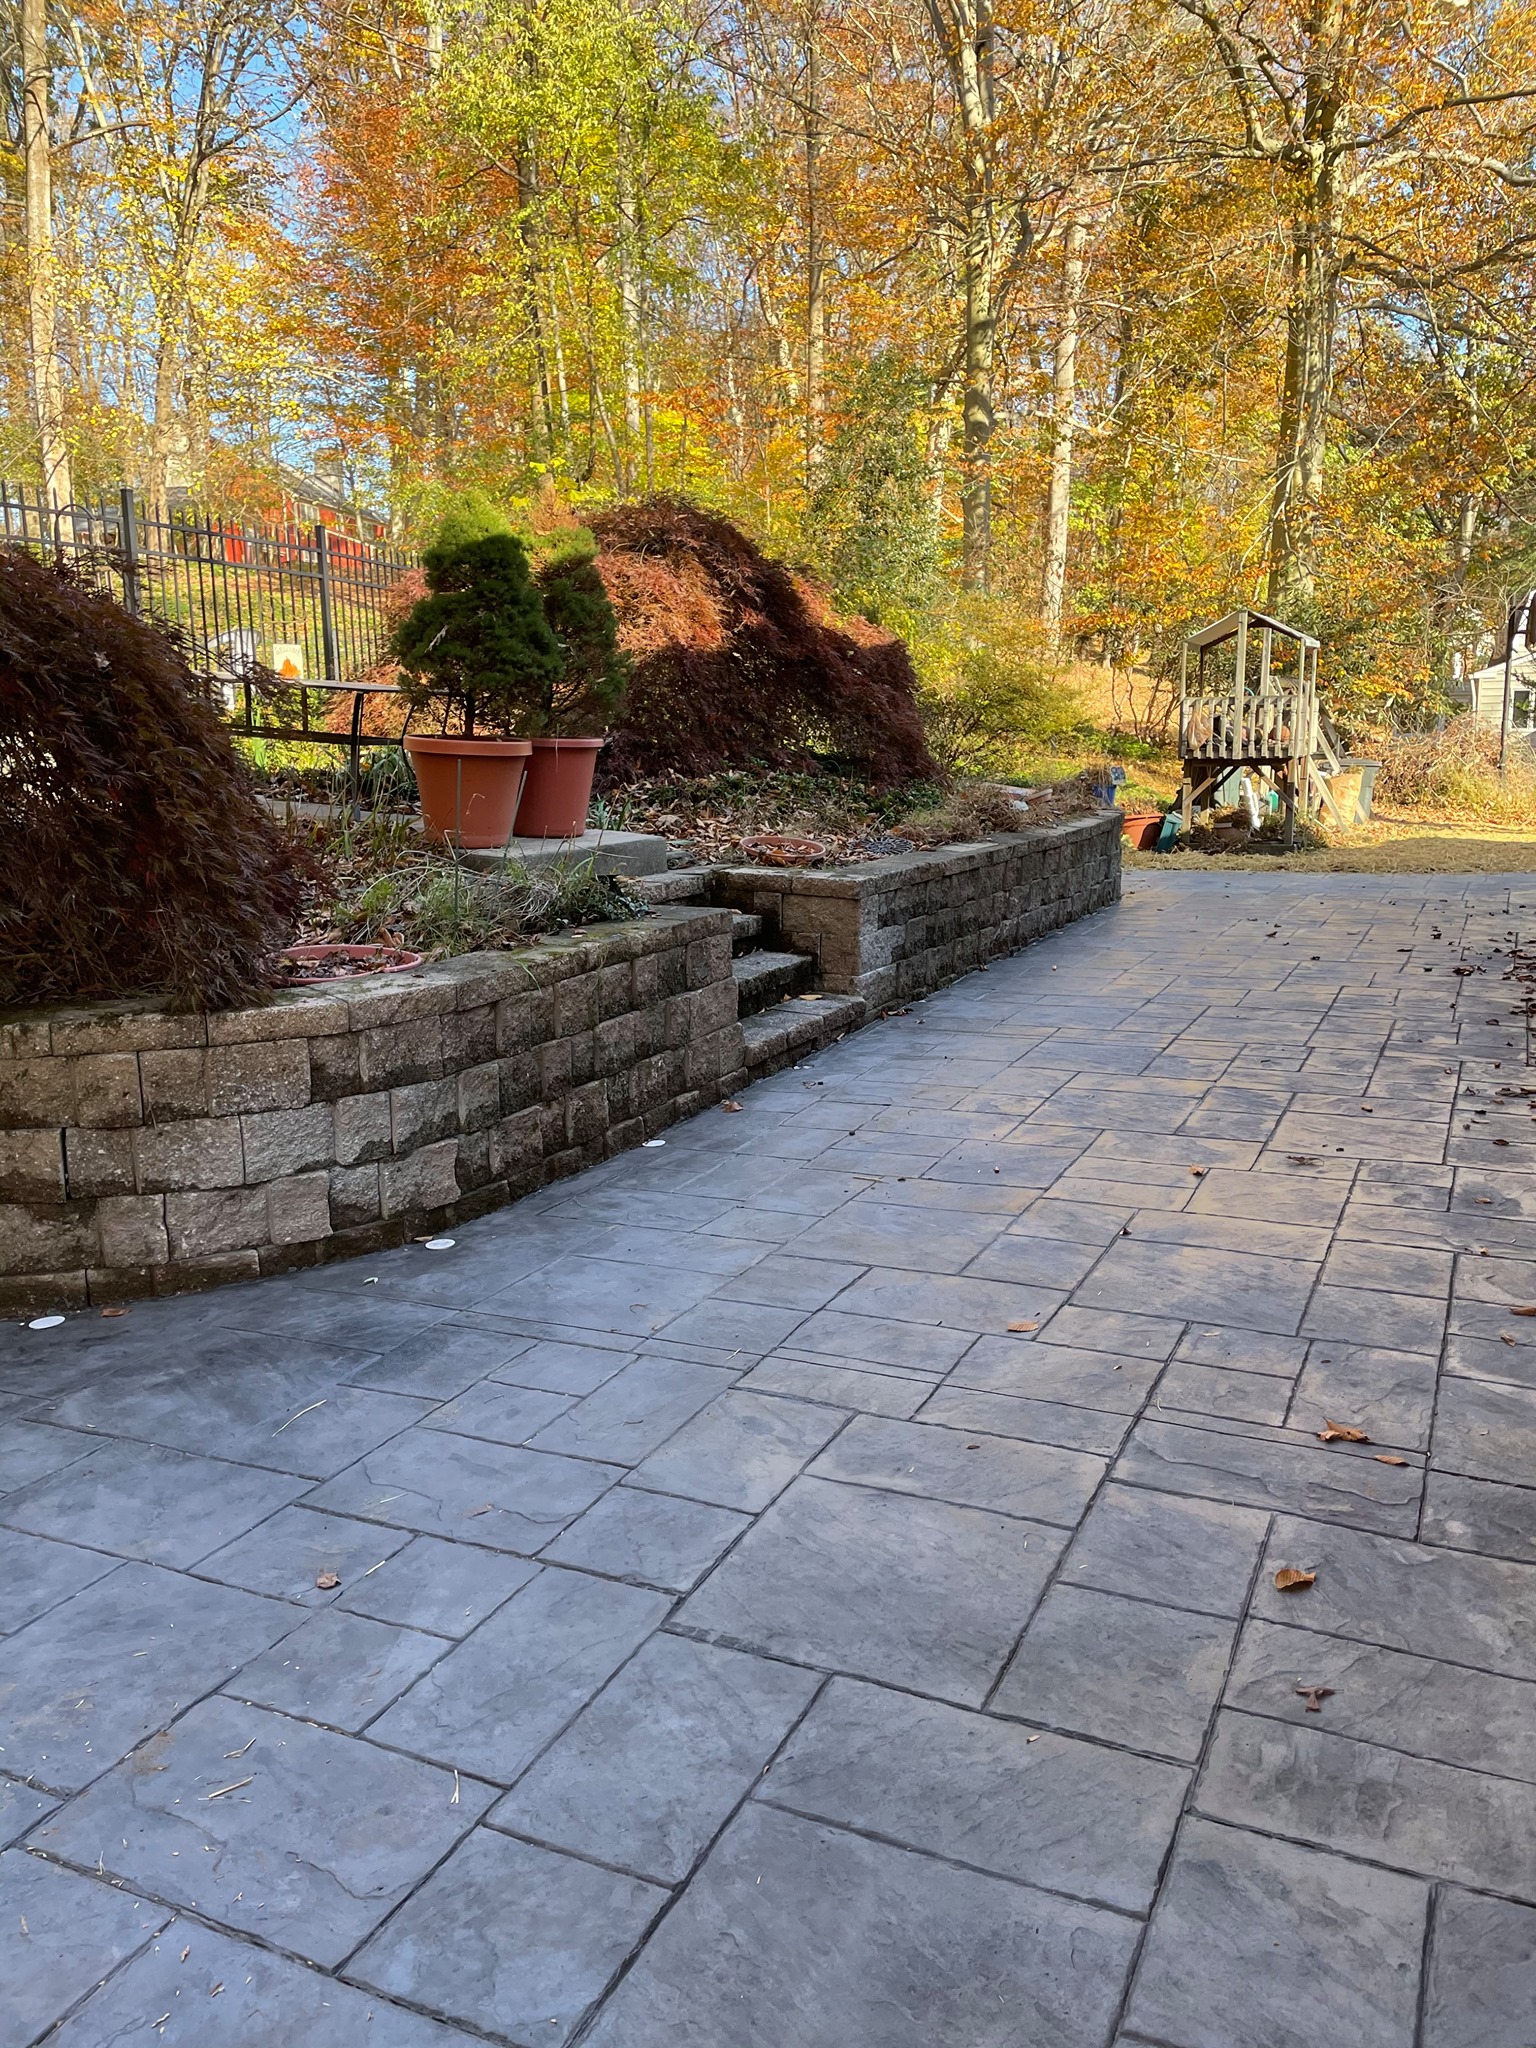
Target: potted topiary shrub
{"x": 477, "y": 651}
{"x": 569, "y": 726}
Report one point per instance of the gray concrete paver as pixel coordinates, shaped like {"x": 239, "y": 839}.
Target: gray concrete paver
{"x": 797, "y": 1932}
{"x": 615, "y": 1489}
{"x": 62, "y": 1933}
{"x": 647, "y": 1774}
{"x": 194, "y": 1987}
{"x": 262, "y": 1823}
{"x": 1293, "y": 1947}
{"x": 515, "y": 1940}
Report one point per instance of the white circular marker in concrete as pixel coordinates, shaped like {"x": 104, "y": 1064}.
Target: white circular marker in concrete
{"x": 438, "y": 1244}
{"x": 45, "y": 1323}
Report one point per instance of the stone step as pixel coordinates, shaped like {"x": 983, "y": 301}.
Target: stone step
{"x": 763, "y": 978}
{"x": 791, "y": 1031}
{"x": 677, "y": 885}
{"x": 746, "y": 930}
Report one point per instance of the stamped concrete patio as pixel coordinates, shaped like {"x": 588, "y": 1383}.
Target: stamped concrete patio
{"x": 812, "y": 1584}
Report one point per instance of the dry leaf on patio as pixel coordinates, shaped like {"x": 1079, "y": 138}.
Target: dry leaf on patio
{"x": 114, "y": 1311}
{"x": 1016, "y": 1327}
{"x": 1523, "y": 1311}
{"x": 1341, "y": 1433}
{"x": 1314, "y": 1695}
{"x": 1289, "y": 1580}
{"x": 327, "y": 1582}
{"x": 731, "y": 1108}
{"x": 1198, "y": 1172}
{"x": 1382, "y": 1458}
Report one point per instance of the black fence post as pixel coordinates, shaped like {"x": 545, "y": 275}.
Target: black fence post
{"x": 128, "y": 537}
{"x": 330, "y": 653}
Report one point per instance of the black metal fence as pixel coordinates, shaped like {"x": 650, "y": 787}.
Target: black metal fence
{"x": 309, "y": 604}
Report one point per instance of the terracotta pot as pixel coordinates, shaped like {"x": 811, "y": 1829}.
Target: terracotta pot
{"x": 784, "y": 850}
{"x": 1142, "y": 828}
{"x": 469, "y": 788}
{"x": 558, "y": 789}
{"x": 312, "y": 965}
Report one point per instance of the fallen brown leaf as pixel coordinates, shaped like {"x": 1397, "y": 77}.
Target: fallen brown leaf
{"x": 731, "y": 1108}
{"x": 114, "y": 1311}
{"x": 1015, "y": 1327}
{"x": 1289, "y": 1580}
{"x": 327, "y": 1582}
{"x": 1505, "y": 1337}
{"x": 1523, "y": 1311}
{"x": 1314, "y": 1695}
{"x": 1384, "y": 1458}
{"x": 1341, "y": 1433}
{"x": 1198, "y": 1172}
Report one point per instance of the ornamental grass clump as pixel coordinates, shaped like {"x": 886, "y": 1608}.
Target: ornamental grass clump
{"x": 134, "y": 856}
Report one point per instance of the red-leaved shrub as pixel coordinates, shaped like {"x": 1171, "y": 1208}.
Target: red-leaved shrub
{"x": 134, "y": 856}
{"x": 736, "y": 660}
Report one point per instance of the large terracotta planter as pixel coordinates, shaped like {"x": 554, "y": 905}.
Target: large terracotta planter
{"x": 558, "y": 789}
{"x": 469, "y": 788}
{"x": 1142, "y": 828}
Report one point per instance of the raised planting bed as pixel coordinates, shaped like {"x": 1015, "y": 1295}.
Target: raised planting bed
{"x": 891, "y": 929}
{"x": 146, "y": 1152}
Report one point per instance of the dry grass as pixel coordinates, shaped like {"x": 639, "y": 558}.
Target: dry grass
{"x": 1389, "y": 846}
{"x": 1454, "y": 775}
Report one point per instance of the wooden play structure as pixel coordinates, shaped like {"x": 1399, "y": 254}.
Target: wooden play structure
{"x": 1248, "y": 705}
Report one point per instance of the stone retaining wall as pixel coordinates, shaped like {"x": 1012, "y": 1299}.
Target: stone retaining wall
{"x": 144, "y": 1152}
{"x": 895, "y": 928}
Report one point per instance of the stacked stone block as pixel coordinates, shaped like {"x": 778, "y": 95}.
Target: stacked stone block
{"x": 142, "y": 1152}
{"x": 895, "y": 928}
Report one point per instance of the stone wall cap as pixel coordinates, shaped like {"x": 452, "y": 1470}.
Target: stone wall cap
{"x": 954, "y": 858}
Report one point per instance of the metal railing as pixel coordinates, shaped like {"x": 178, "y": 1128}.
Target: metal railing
{"x": 306, "y": 604}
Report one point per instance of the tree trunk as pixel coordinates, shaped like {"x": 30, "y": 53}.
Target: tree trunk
{"x": 42, "y": 275}
{"x": 629, "y": 300}
{"x": 1311, "y": 317}
{"x": 533, "y": 300}
{"x": 164, "y": 421}
{"x": 784, "y": 354}
{"x": 815, "y": 258}
{"x": 1310, "y": 320}
{"x": 965, "y": 29}
{"x": 977, "y": 416}
{"x": 1063, "y": 422}
{"x": 562, "y": 388}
